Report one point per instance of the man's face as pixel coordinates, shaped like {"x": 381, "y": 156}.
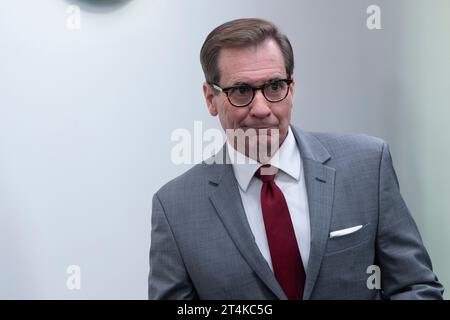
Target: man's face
{"x": 253, "y": 66}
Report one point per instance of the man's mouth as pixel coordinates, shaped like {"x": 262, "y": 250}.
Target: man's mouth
{"x": 259, "y": 127}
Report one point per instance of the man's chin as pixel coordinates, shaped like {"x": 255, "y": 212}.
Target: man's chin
{"x": 260, "y": 130}
{"x": 261, "y": 141}
{"x": 256, "y": 143}
{"x": 261, "y": 148}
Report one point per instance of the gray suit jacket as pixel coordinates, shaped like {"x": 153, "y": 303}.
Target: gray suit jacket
{"x": 202, "y": 246}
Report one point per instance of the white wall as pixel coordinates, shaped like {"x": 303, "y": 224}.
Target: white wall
{"x": 86, "y": 118}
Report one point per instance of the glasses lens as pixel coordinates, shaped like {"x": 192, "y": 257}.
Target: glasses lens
{"x": 276, "y": 91}
{"x": 240, "y": 96}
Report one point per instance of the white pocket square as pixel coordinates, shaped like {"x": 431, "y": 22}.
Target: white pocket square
{"x": 343, "y": 232}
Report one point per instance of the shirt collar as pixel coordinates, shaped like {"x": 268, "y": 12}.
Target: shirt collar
{"x": 286, "y": 159}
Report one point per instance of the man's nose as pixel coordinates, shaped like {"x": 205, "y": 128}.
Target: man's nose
{"x": 260, "y": 106}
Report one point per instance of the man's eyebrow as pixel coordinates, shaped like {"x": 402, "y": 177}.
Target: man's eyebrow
{"x": 241, "y": 83}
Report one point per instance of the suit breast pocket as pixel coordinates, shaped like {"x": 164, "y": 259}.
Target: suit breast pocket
{"x": 348, "y": 241}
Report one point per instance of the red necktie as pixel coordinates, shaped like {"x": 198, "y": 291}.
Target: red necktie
{"x": 285, "y": 254}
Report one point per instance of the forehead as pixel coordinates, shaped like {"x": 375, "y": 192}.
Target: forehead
{"x": 252, "y": 65}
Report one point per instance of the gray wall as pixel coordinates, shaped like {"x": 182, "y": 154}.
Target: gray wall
{"x": 86, "y": 118}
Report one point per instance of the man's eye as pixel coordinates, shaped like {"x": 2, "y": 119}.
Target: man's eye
{"x": 274, "y": 86}
{"x": 242, "y": 90}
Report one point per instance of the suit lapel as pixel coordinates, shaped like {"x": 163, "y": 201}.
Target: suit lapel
{"x": 228, "y": 204}
{"x": 319, "y": 181}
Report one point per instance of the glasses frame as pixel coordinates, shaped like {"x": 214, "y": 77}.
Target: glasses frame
{"x": 254, "y": 89}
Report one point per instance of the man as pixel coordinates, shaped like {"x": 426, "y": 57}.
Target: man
{"x": 324, "y": 221}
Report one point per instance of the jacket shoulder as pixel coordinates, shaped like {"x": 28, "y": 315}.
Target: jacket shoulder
{"x": 192, "y": 179}
{"x": 345, "y": 144}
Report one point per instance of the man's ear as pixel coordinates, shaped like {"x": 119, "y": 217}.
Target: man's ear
{"x": 292, "y": 88}
{"x": 208, "y": 92}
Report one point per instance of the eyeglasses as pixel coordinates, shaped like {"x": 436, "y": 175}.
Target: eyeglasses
{"x": 242, "y": 95}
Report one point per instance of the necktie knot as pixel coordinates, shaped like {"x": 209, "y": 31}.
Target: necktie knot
{"x": 266, "y": 173}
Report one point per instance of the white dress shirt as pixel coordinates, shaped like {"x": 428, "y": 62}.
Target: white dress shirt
{"x": 290, "y": 179}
